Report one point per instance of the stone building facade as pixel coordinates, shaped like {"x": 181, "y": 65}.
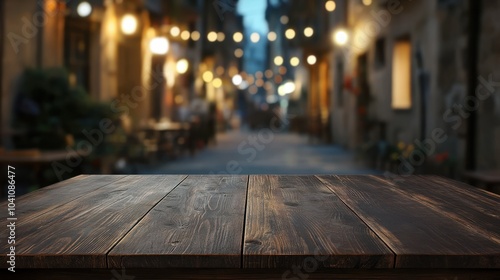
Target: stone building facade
{"x": 434, "y": 34}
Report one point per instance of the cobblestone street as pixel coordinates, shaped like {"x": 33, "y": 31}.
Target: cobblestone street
{"x": 246, "y": 153}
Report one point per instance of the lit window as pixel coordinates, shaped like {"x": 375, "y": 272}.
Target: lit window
{"x": 401, "y": 75}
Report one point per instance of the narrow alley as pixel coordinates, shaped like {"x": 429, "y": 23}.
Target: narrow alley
{"x": 244, "y": 152}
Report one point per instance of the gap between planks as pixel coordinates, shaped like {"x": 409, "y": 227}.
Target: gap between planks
{"x": 140, "y": 219}
{"x": 244, "y": 224}
{"x": 352, "y": 210}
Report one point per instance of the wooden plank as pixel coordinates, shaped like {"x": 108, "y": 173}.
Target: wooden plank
{"x": 297, "y": 221}
{"x": 47, "y": 199}
{"x": 466, "y": 189}
{"x": 478, "y": 211}
{"x": 252, "y": 274}
{"x": 79, "y": 234}
{"x": 421, "y": 236}
{"x": 199, "y": 224}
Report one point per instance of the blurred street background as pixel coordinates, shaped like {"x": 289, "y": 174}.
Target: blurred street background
{"x": 387, "y": 87}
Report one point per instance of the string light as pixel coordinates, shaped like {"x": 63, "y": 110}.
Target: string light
{"x": 237, "y": 37}
{"x": 217, "y": 83}
{"x": 311, "y": 60}
{"x": 308, "y": 31}
{"x": 175, "y": 31}
{"x": 185, "y": 35}
{"x": 212, "y": 36}
{"x": 238, "y": 53}
{"x": 284, "y": 19}
{"x": 207, "y": 76}
{"x": 330, "y": 5}
{"x": 271, "y": 36}
{"x": 255, "y": 37}
{"x": 278, "y": 60}
{"x": 221, "y": 36}
{"x": 195, "y": 35}
{"x": 290, "y": 33}
{"x": 294, "y": 61}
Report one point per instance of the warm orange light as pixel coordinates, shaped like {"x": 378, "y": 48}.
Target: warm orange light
{"x": 271, "y": 36}
{"x": 401, "y": 75}
{"x": 330, "y": 5}
{"x": 311, "y": 60}
{"x": 212, "y": 36}
{"x": 308, "y": 31}
{"x": 255, "y": 37}
{"x": 290, "y": 34}
{"x": 238, "y": 37}
{"x": 278, "y": 60}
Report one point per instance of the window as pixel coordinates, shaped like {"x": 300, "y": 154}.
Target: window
{"x": 401, "y": 75}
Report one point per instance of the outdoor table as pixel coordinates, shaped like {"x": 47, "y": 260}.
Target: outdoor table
{"x": 35, "y": 160}
{"x": 165, "y": 134}
{"x": 255, "y": 227}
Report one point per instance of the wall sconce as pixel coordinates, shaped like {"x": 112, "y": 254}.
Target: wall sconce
{"x": 182, "y": 66}
{"x": 129, "y": 24}
{"x": 159, "y": 45}
{"x": 84, "y": 9}
{"x": 340, "y": 37}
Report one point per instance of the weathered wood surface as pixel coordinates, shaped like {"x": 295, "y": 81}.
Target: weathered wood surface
{"x": 471, "y": 207}
{"x": 272, "y": 225}
{"x": 421, "y": 234}
{"x": 291, "y": 219}
{"x": 199, "y": 224}
{"x": 49, "y": 198}
{"x": 79, "y": 234}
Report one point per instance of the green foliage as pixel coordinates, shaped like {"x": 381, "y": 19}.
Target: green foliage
{"x": 47, "y": 108}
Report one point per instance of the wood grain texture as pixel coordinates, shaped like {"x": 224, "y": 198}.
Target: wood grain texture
{"x": 79, "y": 234}
{"x": 297, "y": 221}
{"x": 421, "y": 236}
{"x": 199, "y": 224}
{"x": 476, "y": 210}
{"x": 49, "y": 198}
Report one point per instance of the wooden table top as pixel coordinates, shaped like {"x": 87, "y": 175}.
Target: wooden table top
{"x": 256, "y": 221}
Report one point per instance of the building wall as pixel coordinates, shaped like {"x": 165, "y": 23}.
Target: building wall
{"x": 438, "y": 30}
{"x": 488, "y": 143}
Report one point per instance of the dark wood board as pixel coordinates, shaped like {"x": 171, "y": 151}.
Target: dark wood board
{"x": 79, "y": 234}
{"x": 50, "y": 197}
{"x": 198, "y": 225}
{"x": 465, "y": 206}
{"x": 421, "y": 237}
{"x": 297, "y": 221}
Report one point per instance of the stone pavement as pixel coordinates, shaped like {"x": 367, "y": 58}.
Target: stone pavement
{"x": 240, "y": 152}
